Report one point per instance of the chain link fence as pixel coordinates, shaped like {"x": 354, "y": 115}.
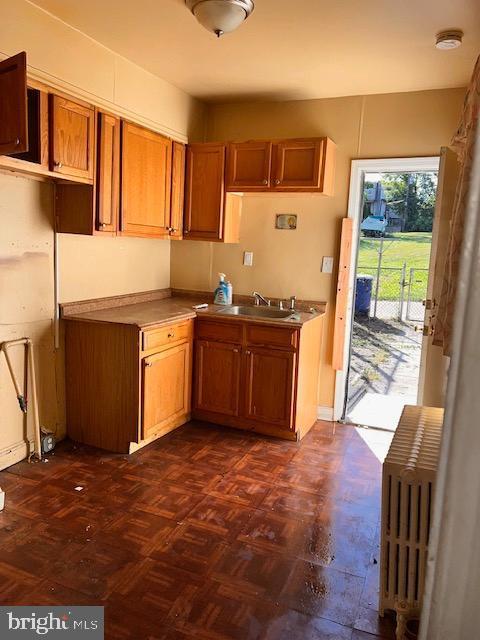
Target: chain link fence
{"x": 397, "y": 293}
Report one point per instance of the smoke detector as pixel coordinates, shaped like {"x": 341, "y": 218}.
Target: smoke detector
{"x": 450, "y": 39}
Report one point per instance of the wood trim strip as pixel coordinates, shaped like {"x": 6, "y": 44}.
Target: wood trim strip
{"x": 342, "y": 294}
{"x": 86, "y": 306}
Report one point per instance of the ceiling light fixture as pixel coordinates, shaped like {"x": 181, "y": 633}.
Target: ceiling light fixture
{"x": 220, "y": 16}
{"x": 450, "y": 39}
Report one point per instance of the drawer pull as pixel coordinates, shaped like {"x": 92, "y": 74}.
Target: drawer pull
{"x": 170, "y": 335}
{"x": 148, "y": 364}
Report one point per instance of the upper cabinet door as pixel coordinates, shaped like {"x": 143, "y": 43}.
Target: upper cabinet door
{"x": 205, "y": 191}
{"x": 178, "y": 190}
{"x": 13, "y": 105}
{"x": 248, "y": 166}
{"x": 72, "y": 138}
{"x": 108, "y": 173}
{"x": 297, "y": 164}
{"x": 146, "y": 182}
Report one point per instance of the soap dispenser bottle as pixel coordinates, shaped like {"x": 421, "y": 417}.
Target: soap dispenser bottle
{"x": 229, "y": 292}
{"x": 221, "y": 292}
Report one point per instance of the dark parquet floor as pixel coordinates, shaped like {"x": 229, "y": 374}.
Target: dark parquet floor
{"x": 208, "y": 533}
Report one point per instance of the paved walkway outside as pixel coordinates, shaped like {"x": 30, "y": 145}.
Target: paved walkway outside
{"x": 383, "y": 372}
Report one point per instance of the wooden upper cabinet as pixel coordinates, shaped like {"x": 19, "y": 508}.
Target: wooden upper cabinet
{"x": 72, "y": 138}
{"x": 304, "y": 165}
{"x": 146, "y": 182}
{"x": 13, "y": 105}
{"x": 269, "y": 389}
{"x": 178, "y": 190}
{"x": 297, "y": 164}
{"x": 248, "y": 166}
{"x": 108, "y": 173}
{"x": 205, "y": 191}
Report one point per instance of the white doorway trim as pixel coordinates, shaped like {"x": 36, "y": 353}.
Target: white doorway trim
{"x": 357, "y": 177}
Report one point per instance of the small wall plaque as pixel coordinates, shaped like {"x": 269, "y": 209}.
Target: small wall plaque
{"x": 286, "y": 221}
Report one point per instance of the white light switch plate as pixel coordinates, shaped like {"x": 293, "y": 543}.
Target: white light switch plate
{"x": 248, "y": 258}
{"x": 327, "y": 264}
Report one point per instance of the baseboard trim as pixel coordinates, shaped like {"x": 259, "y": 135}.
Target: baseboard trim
{"x": 325, "y": 413}
{"x": 15, "y": 453}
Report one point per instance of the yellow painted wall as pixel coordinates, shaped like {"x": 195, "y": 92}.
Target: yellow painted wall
{"x": 288, "y": 262}
{"x": 88, "y": 267}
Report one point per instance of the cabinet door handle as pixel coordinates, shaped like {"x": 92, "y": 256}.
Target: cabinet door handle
{"x": 59, "y": 165}
{"x": 265, "y": 181}
{"x": 277, "y": 181}
{"x": 236, "y": 350}
{"x": 170, "y": 335}
{"x": 102, "y": 225}
{"x": 248, "y": 353}
{"x": 148, "y": 364}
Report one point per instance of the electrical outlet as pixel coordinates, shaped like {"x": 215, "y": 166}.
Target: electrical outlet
{"x": 327, "y": 264}
{"x": 247, "y": 258}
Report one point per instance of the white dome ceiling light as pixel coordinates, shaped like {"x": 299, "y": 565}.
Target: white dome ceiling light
{"x": 450, "y": 39}
{"x": 220, "y": 16}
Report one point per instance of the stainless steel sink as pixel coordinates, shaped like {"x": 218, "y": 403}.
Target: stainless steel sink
{"x": 256, "y": 312}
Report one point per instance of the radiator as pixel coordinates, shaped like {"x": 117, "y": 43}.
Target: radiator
{"x": 408, "y": 484}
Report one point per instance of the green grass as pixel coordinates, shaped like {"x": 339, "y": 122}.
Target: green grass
{"x": 412, "y": 249}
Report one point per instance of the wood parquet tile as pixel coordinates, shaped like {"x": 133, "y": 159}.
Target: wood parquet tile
{"x": 208, "y": 533}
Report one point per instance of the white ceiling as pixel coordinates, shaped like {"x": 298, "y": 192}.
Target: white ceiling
{"x": 288, "y": 49}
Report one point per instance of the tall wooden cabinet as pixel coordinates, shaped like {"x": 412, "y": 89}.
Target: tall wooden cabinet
{"x": 146, "y": 175}
{"x": 209, "y": 213}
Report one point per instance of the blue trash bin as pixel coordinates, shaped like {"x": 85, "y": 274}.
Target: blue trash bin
{"x": 363, "y": 294}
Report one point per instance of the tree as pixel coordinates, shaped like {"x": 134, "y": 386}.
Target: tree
{"x": 411, "y": 196}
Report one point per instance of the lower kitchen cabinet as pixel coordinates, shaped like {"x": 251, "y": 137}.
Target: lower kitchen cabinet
{"x": 166, "y": 388}
{"x": 218, "y": 377}
{"x": 269, "y": 378}
{"x": 126, "y": 386}
{"x": 257, "y": 376}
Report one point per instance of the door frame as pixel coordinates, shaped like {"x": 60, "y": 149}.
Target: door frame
{"x": 357, "y": 175}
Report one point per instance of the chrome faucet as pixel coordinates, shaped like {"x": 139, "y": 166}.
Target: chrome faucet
{"x": 293, "y": 300}
{"x": 258, "y": 299}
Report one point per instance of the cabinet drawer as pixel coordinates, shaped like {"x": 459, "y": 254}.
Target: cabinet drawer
{"x": 219, "y": 331}
{"x": 283, "y": 338}
{"x": 172, "y": 333}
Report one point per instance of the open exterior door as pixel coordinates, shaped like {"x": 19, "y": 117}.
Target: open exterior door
{"x": 13, "y": 105}
{"x": 342, "y": 294}
{"x": 433, "y": 364}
